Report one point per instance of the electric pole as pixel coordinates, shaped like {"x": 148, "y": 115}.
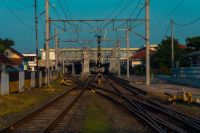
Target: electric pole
{"x": 147, "y": 36}
{"x": 56, "y": 49}
{"x": 47, "y": 36}
{"x": 36, "y": 42}
{"x": 128, "y": 51}
{"x": 172, "y": 41}
{"x": 36, "y": 34}
{"x": 118, "y": 54}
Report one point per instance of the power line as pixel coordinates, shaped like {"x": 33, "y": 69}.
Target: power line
{"x": 121, "y": 11}
{"x": 168, "y": 15}
{"x": 124, "y": 9}
{"x": 167, "y": 30}
{"x": 187, "y": 24}
{"x": 17, "y": 17}
{"x": 181, "y": 33}
{"x": 24, "y": 2}
{"x": 138, "y": 4}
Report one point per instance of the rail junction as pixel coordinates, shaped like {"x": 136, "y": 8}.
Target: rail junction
{"x": 153, "y": 116}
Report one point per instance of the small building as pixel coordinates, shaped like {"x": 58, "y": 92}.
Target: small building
{"x": 5, "y": 61}
{"x": 138, "y": 57}
{"x": 30, "y": 62}
{"x": 14, "y": 55}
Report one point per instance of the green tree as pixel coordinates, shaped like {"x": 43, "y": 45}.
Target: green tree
{"x": 5, "y": 43}
{"x": 193, "y": 44}
{"x": 162, "y": 58}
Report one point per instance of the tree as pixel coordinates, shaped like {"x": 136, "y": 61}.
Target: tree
{"x": 5, "y": 43}
{"x": 162, "y": 58}
{"x": 193, "y": 44}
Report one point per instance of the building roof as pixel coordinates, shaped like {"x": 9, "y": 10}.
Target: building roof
{"x": 6, "y": 61}
{"x": 141, "y": 54}
{"x": 182, "y": 46}
{"x": 16, "y": 52}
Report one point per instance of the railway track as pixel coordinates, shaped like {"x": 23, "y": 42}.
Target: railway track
{"x": 45, "y": 118}
{"x": 169, "y": 120}
{"x": 135, "y": 101}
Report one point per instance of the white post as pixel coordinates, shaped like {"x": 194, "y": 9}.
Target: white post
{"x": 4, "y": 82}
{"x": 46, "y": 77}
{"x": 50, "y": 76}
{"x": 63, "y": 67}
{"x": 73, "y": 70}
{"x": 33, "y": 79}
{"x": 21, "y": 81}
{"x": 40, "y": 78}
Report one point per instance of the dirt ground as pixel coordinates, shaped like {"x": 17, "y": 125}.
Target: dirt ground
{"x": 95, "y": 114}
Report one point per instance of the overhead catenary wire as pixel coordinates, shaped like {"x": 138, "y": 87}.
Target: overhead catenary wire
{"x": 188, "y": 24}
{"x": 24, "y": 2}
{"x": 58, "y": 15}
{"x": 121, "y": 11}
{"x": 180, "y": 32}
{"x": 168, "y": 15}
{"x": 16, "y": 16}
{"x": 66, "y": 16}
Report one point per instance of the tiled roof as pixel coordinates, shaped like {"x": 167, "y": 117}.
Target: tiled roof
{"x": 141, "y": 54}
{"x": 182, "y": 46}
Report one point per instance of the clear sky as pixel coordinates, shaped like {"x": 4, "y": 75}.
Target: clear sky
{"x": 17, "y": 19}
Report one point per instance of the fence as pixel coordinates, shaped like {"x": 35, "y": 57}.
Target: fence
{"x": 185, "y": 76}
{"x": 186, "y": 73}
{"x": 16, "y": 82}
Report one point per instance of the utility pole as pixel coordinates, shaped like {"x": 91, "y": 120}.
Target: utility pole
{"x": 172, "y": 41}
{"x": 56, "y": 49}
{"x": 47, "y": 36}
{"x": 36, "y": 34}
{"x": 147, "y": 36}
{"x": 36, "y": 41}
{"x": 128, "y": 51}
{"x": 118, "y": 54}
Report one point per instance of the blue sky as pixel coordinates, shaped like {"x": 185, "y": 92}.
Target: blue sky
{"x": 161, "y": 13}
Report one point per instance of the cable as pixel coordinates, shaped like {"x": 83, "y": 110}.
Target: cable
{"x": 63, "y": 10}
{"x": 17, "y": 17}
{"x": 54, "y": 9}
{"x": 24, "y": 2}
{"x": 166, "y": 31}
{"x": 138, "y": 4}
{"x": 23, "y": 8}
{"x": 187, "y": 24}
{"x": 179, "y": 31}
{"x": 124, "y": 9}
{"x": 121, "y": 11}
{"x": 168, "y": 15}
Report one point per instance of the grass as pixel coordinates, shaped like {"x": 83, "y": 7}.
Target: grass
{"x": 96, "y": 120}
{"x": 12, "y": 105}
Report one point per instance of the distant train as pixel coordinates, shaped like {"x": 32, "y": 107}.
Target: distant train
{"x": 103, "y": 69}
